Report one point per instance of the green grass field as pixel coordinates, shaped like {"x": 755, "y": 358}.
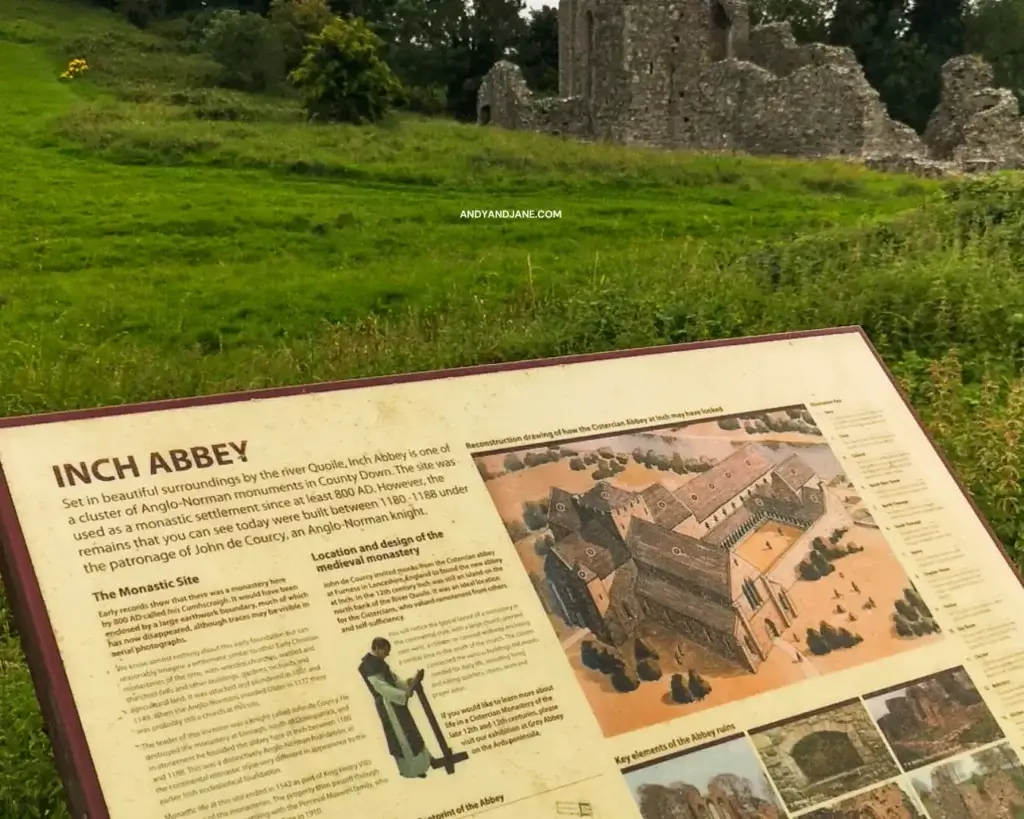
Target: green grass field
{"x": 159, "y": 237}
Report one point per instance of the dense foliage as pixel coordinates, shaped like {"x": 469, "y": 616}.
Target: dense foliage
{"x": 342, "y": 78}
{"x": 246, "y": 48}
{"x": 297, "y": 22}
{"x": 436, "y": 48}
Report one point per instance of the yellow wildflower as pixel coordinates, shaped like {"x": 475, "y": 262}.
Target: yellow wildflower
{"x": 76, "y": 68}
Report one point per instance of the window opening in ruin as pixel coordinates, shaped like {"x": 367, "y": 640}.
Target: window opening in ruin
{"x": 650, "y": 68}
{"x": 769, "y": 626}
{"x": 825, "y": 754}
{"x": 485, "y": 115}
{"x": 721, "y": 32}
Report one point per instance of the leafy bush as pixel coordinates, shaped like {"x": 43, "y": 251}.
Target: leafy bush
{"x": 342, "y": 78}
{"x": 699, "y": 687}
{"x": 642, "y": 651}
{"x": 679, "y": 690}
{"x": 535, "y": 515}
{"x": 247, "y": 49}
{"x": 648, "y": 670}
{"x": 431, "y": 101}
{"x": 589, "y": 655}
{"x": 142, "y": 13}
{"x": 296, "y": 23}
{"x": 195, "y": 29}
{"x": 623, "y": 681}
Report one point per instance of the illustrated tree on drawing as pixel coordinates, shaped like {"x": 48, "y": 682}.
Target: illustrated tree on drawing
{"x": 535, "y": 515}
{"x": 699, "y": 687}
{"x": 679, "y": 690}
{"x": 513, "y": 463}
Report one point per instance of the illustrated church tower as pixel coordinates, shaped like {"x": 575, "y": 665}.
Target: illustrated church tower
{"x": 635, "y": 63}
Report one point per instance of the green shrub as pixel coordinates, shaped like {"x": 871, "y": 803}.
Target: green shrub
{"x": 431, "y": 101}
{"x": 342, "y": 78}
{"x": 189, "y": 30}
{"x": 247, "y": 49}
{"x": 142, "y": 13}
{"x": 980, "y": 428}
{"x": 296, "y": 23}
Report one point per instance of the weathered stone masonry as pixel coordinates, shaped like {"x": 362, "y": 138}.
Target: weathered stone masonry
{"x": 824, "y": 756}
{"x": 692, "y": 74}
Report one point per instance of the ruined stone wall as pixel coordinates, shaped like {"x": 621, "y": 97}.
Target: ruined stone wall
{"x": 825, "y": 109}
{"x": 566, "y": 47}
{"x": 651, "y": 65}
{"x": 849, "y": 724}
{"x": 975, "y": 122}
{"x": 887, "y": 802}
{"x": 774, "y": 47}
{"x": 962, "y": 79}
{"x": 562, "y": 116}
{"x": 1000, "y": 798}
{"x": 504, "y": 99}
{"x": 669, "y": 44}
{"x": 691, "y": 74}
{"x": 599, "y": 73}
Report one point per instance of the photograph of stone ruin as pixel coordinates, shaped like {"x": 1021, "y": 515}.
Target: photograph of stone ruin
{"x": 889, "y": 801}
{"x": 693, "y": 75}
{"x": 818, "y": 757}
{"x": 987, "y": 784}
{"x": 719, "y": 781}
{"x": 688, "y": 567}
{"x": 933, "y": 718}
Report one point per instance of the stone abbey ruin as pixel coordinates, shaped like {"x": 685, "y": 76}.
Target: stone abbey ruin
{"x": 693, "y": 75}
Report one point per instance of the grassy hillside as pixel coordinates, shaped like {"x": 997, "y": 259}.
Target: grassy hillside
{"x": 162, "y": 237}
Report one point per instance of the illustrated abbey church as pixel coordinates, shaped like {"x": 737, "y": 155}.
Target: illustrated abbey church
{"x": 621, "y": 558}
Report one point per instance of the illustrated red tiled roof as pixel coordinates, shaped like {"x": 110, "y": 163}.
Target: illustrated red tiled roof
{"x": 562, "y": 510}
{"x": 603, "y": 497}
{"x": 666, "y": 509}
{"x": 794, "y": 472}
{"x": 726, "y": 479}
{"x": 578, "y": 554}
{"x": 681, "y": 556}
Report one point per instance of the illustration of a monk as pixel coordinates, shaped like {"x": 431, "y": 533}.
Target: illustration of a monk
{"x": 391, "y": 696}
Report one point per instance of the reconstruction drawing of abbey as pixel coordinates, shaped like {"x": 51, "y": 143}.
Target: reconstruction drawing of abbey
{"x": 622, "y": 557}
{"x": 693, "y": 75}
